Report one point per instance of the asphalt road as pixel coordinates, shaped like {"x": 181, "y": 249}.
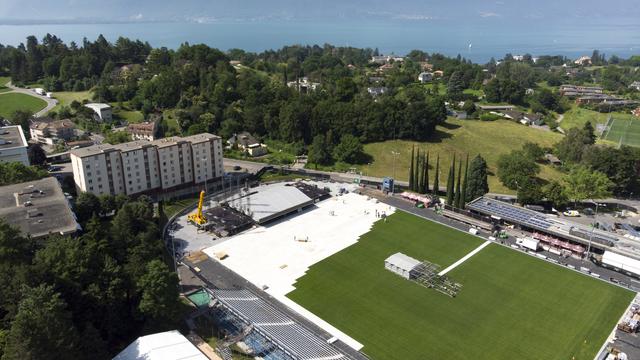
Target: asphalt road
{"x": 51, "y": 103}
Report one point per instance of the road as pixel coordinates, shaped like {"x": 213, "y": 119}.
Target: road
{"x": 51, "y": 103}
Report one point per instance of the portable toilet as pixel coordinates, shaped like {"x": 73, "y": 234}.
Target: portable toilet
{"x": 387, "y": 184}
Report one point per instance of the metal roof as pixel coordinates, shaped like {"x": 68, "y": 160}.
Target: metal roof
{"x": 267, "y": 202}
{"x": 403, "y": 261}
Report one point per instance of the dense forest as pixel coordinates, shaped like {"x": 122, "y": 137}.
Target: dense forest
{"x": 86, "y": 297}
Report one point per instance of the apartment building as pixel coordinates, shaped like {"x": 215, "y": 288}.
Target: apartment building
{"x": 50, "y": 132}
{"x": 13, "y": 145}
{"x": 147, "y": 166}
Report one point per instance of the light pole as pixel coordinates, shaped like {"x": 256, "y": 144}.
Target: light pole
{"x": 593, "y": 228}
{"x": 393, "y": 188}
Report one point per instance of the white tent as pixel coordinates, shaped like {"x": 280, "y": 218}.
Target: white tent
{"x": 170, "y": 345}
{"x": 401, "y": 264}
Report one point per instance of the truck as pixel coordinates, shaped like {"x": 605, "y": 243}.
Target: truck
{"x": 528, "y": 243}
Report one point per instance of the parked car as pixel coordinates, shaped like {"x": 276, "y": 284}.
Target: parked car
{"x": 571, "y": 213}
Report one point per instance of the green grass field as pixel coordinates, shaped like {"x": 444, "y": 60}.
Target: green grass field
{"x": 11, "y": 102}
{"x": 65, "y": 98}
{"x": 577, "y": 117}
{"x": 624, "y": 131}
{"x": 511, "y": 306}
{"x": 490, "y": 139}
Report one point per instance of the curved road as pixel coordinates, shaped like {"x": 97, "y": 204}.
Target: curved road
{"x": 51, "y": 103}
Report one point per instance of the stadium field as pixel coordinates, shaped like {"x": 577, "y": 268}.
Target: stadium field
{"x": 623, "y": 131}
{"x": 511, "y": 306}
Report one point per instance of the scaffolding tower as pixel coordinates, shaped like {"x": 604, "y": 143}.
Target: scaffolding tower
{"x": 426, "y": 274}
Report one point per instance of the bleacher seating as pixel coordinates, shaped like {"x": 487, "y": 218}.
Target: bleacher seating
{"x": 291, "y": 337}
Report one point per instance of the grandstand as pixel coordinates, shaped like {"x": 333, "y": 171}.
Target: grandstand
{"x": 273, "y": 334}
{"x": 498, "y": 211}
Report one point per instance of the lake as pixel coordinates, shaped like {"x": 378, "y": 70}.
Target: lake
{"x": 487, "y": 38}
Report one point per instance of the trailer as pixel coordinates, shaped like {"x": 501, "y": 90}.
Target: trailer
{"x": 621, "y": 263}
{"x": 528, "y": 243}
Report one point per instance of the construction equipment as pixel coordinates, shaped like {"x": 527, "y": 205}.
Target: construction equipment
{"x": 197, "y": 217}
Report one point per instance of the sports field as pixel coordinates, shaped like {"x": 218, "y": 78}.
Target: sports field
{"x": 511, "y": 306}
{"x": 11, "y": 102}
{"x": 623, "y": 131}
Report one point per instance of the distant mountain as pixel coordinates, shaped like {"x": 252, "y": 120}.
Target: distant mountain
{"x": 46, "y": 11}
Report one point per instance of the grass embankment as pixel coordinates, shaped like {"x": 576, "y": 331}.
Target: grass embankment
{"x": 65, "y": 98}
{"x": 511, "y": 306}
{"x": 11, "y": 102}
{"x": 461, "y": 137}
{"x": 3, "y": 82}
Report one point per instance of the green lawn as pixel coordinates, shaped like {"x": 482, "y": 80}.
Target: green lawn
{"x": 11, "y": 102}
{"x": 65, "y": 98}
{"x": 511, "y": 306}
{"x": 130, "y": 116}
{"x": 490, "y": 139}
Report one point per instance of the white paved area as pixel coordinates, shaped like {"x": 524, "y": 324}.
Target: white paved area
{"x": 274, "y": 257}
{"x": 464, "y": 258}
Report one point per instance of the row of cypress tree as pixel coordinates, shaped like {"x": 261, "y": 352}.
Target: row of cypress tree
{"x": 459, "y": 189}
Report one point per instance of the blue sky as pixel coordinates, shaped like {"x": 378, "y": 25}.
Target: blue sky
{"x": 586, "y": 11}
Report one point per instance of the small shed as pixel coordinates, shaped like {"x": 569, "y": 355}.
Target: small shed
{"x": 402, "y": 265}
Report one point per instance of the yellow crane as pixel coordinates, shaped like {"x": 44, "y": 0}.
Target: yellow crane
{"x": 197, "y": 217}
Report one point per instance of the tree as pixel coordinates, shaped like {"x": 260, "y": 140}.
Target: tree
{"x": 533, "y": 151}
{"x": 37, "y": 156}
{"x": 515, "y": 168}
{"x": 349, "y": 150}
{"x": 556, "y": 193}
{"x": 463, "y": 193}
{"x": 15, "y": 172}
{"x": 42, "y": 328}
{"x": 159, "y": 291}
{"x": 412, "y": 170}
{"x": 455, "y": 86}
{"x": 319, "y": 151}
{"x": 575, "y": 142}
{"x": 582, "y": 184}
{"x": 14, "y": 248}
{"x": 622, "y": 166}
{"x": 87, "y": 205}
{"x": 529, "y": 191}
{"x": 117, "y": 137}
{"x": 436, "y": 177}
{"x": 22, "y": 118}
{"x": 425, "y": 175}
{"x": 477, "y": 184}
{"x": 450, "y": 182}
{"x": 458, "y": 193}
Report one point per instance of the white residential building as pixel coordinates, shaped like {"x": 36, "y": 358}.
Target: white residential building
{"x": 147, "y": 166}
{"x": 102, "y": 112}
{"x": 425, "y": 77}
{"x": 13, "y": 145}
{"x": 50, "y": 132}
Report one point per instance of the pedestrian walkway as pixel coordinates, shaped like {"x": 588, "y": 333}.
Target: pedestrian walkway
{"x": 465, "y": 258}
